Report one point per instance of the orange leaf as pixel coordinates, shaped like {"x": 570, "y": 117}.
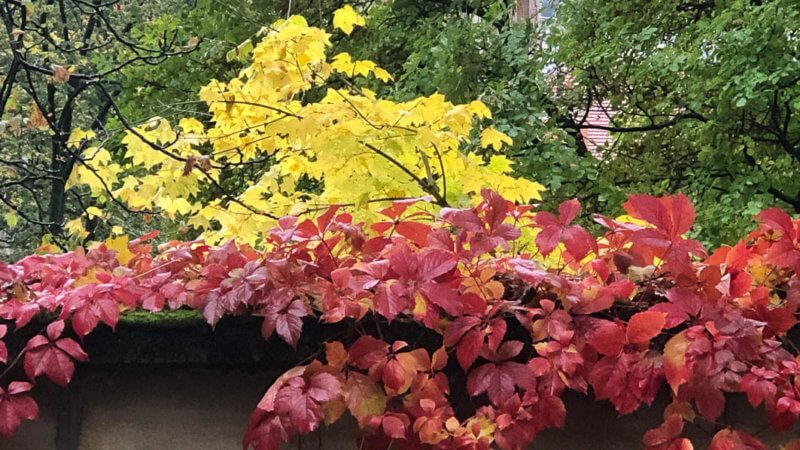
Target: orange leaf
{"x": 644, "y": 326}
{"x": 608, "y": 340}
{"x": 335, "y": 354}
{"x": 675, "y": 368}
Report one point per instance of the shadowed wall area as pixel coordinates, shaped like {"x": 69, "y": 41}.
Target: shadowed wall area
{"x": 174, "y": 384}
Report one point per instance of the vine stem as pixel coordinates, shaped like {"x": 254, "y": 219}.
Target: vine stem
{"x": 13, "y": 363}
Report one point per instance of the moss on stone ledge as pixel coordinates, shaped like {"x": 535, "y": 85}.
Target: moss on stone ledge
{"x": 167, "y": 319}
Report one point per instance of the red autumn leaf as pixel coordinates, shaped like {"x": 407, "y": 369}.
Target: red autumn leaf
{"x": 664, "y": 436}
{"x": 709, "y": 400}
{"x": 395, "y": 368}
{"x": 735, "y": 440}
{"x": 434, "y": 262}
{"x": 394, "y": 425}
{"x": 527, "y": 271}
{"x": 777, "y": 219}
{"x": 367, "y": 351}
{"x": 395, "y": 373}
{"x": 414, "y": 231}
{"x": 672, "y": 217}
{"x": 389, "y": 300}
{"x": 758, "y": 385}
{"x": 52, "y": 356}
{"x": 308, "y": 229}
{"x": 463, "y": 333}
{"x": 783, "y": 415}
{"x": 90, "y": 312}
{"x": 364, "y": 397}
{"x": 16, "y": 406}
{"x": 499, "y": 381}
{"x": 500, "y": 377}
{"x": 425, "y": 266}
{"x": 300, "y": 400}
{"x": 457, "y": 328}
{"x": 609, "y": 339}
{"x": 737, "y": 257}
{"x": 644, "y": 326}
{"x": 265, "y": 431}
{"x": 596, "y": 297}
{"x": 324, "y": 387}
{"x": 403, "y": 261}
{"x": 439, "y": 359}
{"x": 465, "y": 219}
{"x": 577, "y": 241}
{"x": 20, "y": 312}
{"x": 496, "y": 331}
{"x": 469, "y": 348}
{"x": 784, "y": 253}
{"x": 496, "y": 210}
{"x": 627, "y": 380}
{"x": 683, "y": 303}
{"x": 286, "y": 319}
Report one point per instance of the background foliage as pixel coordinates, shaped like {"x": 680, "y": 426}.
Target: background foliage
{"x": 704, "y": 97}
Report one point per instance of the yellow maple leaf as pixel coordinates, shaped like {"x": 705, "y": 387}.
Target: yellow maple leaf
{"x": 93, "y": 212}
{"x": 493, "y": 138}
{"x": 75, "y": 226}
{"x": 120, "y": 245}
{"x": 346, "y": 18}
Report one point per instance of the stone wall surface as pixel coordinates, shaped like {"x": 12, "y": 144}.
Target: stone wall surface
{"x": 204, "y": 408}
{"x": 176, "y": 385}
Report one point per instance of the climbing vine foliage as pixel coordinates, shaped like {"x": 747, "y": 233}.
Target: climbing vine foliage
{"x": 299, "y": 113}
{"x": 500, "y": 330}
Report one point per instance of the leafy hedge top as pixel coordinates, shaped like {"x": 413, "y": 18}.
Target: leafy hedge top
{"x": 620, "y": 314}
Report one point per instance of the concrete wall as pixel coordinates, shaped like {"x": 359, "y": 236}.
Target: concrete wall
{"x": 168, "y": 407}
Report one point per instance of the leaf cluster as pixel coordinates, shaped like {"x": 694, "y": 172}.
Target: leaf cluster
{"x": 526, "y": 306}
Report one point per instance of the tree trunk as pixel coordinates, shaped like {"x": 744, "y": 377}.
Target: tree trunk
{"x": 526, "y": 10}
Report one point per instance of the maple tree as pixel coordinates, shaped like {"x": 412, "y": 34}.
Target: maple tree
{"x": 297, "y": 123}
{"x": 622, "y": 315}
{"x": 63, "y": 64}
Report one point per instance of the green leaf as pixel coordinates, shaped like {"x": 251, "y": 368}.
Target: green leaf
{"x": 11, "y": 219}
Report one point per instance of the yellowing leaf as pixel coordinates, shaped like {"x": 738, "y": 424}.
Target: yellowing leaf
{"x": 89, "y": 278}
{"x": 675, "y": 367}
{"x": 191, "y": 125}
{"x": 78, "y": 135}
{"x": 493, "y": 138}
{"x": 75, "y": 226}
{"x": 93, "y": 212}
{"x": 382, "y": 75}
{"x": 11, "y": 219}
{"x": 363, "y": 396}
{"x": 120, "y": 244}
{"x": 346, "y": 18}
{"x": 333, "y": 410}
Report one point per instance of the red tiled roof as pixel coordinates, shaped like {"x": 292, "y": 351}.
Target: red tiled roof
{"x": 593, "y": 137}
